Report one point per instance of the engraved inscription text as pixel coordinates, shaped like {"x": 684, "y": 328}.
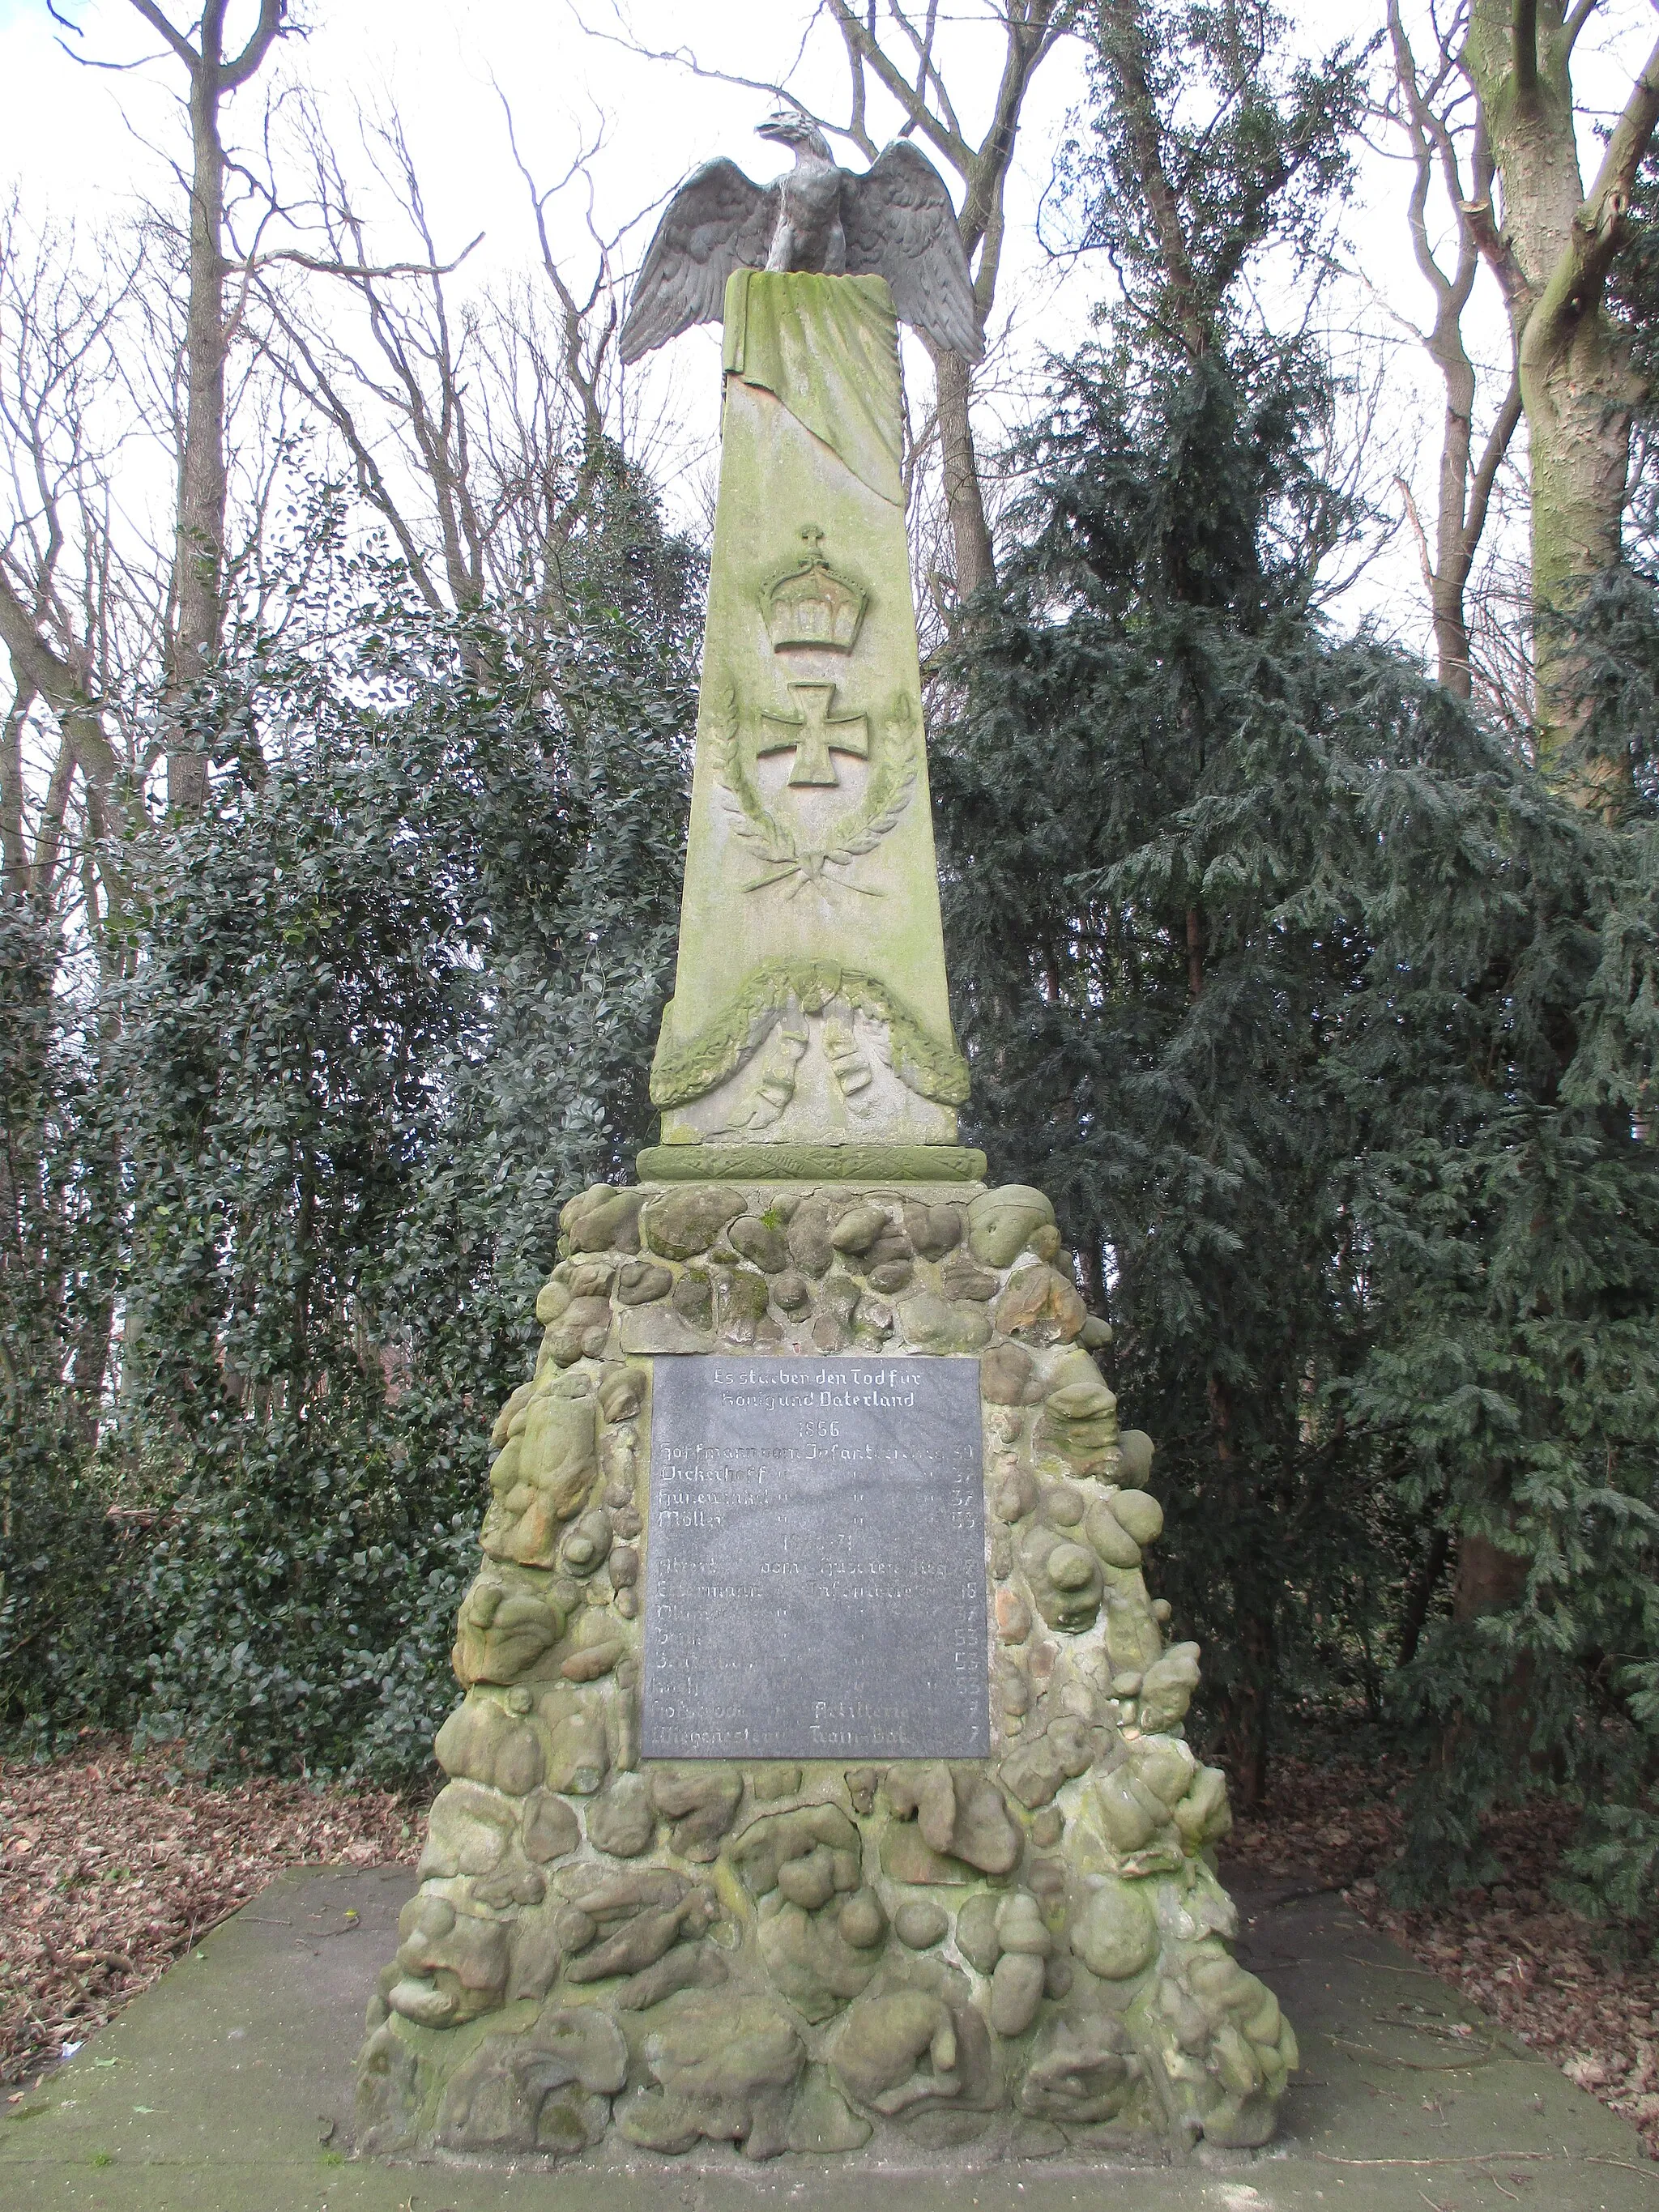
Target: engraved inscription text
{"x": 815, "y": 1568}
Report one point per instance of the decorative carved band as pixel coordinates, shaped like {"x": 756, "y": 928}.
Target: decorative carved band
{"x": 926, "y": 1064}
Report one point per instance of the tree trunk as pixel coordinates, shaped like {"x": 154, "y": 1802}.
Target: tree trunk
{"x": 38, "y": 667}
{"x": 1576, "y": 381}
{"x": 1488, "y": 1580}
{"x": 199, "y": 558}
{"x": 1031, "y": 29}
{"x": 964, "y": 496}
{"x": 199, "y": 546}
{"x": 1244, "y": 1728}
{"x": 1464, "y": 496}
{"x": 14, "y": 851}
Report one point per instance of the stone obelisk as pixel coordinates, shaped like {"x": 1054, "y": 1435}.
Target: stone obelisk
{"x": 820, "y": 1784}
{"x": 810, "y": 1008}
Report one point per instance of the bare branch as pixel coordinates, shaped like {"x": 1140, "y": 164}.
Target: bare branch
{"x": 937, "y": 130}
{"x": 583, "y": 374}
{"x": 180, "y": 44}
{"x": 1495, "y": 248}
{"x": 1576, "y": 20}
{"x": 682, "y": 58}
{"x": 926, "y": 69}
{"x": 1491, "y": 459}
{"x": 268, "y": 27}
{"x": 1409, "y": 499}
{"x": 356, "y": 271}
{"x": 91, "y": 62}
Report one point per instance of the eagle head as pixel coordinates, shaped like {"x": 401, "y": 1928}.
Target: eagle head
{"x": 789, "y": 128}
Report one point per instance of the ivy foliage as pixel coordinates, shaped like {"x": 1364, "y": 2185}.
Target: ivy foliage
{"x": 59, "y": 1260}
{"x": 381, "y": 1010}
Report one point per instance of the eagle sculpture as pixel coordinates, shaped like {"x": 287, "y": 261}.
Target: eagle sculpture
{"x": 896, "y": 221}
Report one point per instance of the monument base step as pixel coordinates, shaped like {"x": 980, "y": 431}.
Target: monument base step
{"x": 835, "y": 1164}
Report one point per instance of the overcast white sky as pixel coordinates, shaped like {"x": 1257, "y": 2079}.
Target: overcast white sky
{"x": 84, "y": 144}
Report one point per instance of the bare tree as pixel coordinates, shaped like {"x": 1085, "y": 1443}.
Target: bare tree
{"x": 399, "y": 397}
{"x": 1425, "y": 104}
{"x": 476, "y": 427}
{"x": 587, "y": 326}
{"x": 62, "y": 577}
{"x": 198, "y": 550}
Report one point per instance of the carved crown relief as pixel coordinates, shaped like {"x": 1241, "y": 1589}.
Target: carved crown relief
{"x": 811, "y": 607}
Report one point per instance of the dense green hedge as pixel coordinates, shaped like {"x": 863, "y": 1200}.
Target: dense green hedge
{"x": 361, "y": 1030}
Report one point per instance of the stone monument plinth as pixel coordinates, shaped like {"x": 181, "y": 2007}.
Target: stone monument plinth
{"x": 820, "y": 1779}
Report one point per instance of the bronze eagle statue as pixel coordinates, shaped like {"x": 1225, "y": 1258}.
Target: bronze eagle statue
{"x": 896, "y": 221}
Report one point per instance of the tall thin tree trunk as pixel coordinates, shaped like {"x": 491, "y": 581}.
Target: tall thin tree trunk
{"x": 1576, "y": 381}
{"x": 1031, "y": 29}
{"x": 965, "y": 495}
{"x": 199, "y": 545}
{"x": 14, "y": 851}
{"x": 200, "y": 550}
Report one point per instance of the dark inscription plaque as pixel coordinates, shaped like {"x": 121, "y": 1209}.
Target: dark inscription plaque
{"x": 814, "y": 1571}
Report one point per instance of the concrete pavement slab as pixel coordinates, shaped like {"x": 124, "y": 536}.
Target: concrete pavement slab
{"x": 227, "y": 2089}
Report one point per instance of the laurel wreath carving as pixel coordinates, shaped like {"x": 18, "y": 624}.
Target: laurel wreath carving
{"x": 784, "y": 858}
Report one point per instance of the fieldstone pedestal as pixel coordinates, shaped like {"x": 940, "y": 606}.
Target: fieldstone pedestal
{"x": 806, "y": 1953}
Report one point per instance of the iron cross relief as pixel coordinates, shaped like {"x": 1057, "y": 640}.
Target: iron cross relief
{"x": 813, "y": 734}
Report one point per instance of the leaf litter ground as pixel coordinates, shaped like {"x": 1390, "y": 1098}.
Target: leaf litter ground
{"x": 111, "y": 1866}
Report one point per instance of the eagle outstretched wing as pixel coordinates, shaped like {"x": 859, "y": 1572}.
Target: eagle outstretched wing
{"x": 900, "y": 224}
{"x": 717, "y": 221}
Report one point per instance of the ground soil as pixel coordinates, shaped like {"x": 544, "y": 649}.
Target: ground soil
{"x": 111, "y": 1867}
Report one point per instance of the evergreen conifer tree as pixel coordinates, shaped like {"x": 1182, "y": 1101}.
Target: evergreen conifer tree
{"x": 1327, "y": 1021}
